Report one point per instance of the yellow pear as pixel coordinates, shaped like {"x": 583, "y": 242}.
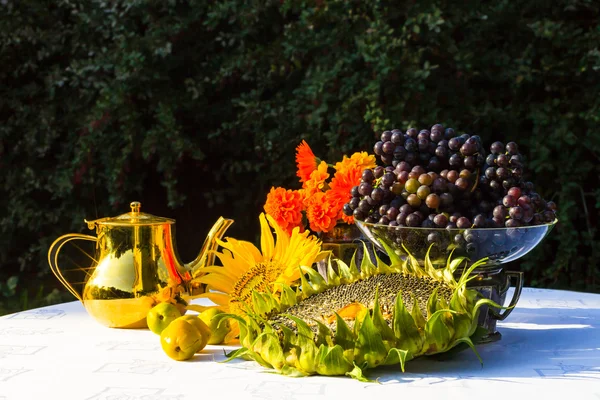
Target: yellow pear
{"x": 160, "y": 316}
{"x": 219, "y": 328}
{"x": 182, "y": 339}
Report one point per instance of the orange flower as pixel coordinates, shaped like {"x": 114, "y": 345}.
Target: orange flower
{"x": 305, "y": 161}
{"x": 316, "y": 183}
{"x": 341, "y": 184}
{"x": 360, "y": 160}
{"x": 322, "y": 215}
{"x": 285, "y": 206}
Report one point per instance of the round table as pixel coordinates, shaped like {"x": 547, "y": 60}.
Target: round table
{"x": 550, "y": 348}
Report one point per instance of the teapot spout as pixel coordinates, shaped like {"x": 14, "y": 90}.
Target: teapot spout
{"x": 206, "y": 256}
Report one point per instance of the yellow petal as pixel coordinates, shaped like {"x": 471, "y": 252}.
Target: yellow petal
{"x": 235, "y": 267}
{"x": 227, "y": 272}
{"x": 250, "y": 248}
{"x": 220, "y": 299}
{"x": 217, "y": 282}
{"x": 238, "y": 250}
{"x": 267, "y": 244}
{"x": 283, "y": 240}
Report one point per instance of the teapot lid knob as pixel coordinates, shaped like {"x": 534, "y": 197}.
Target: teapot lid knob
{"x": 135, "y": 207}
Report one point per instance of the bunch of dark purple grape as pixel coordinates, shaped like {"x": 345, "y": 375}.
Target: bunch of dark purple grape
{"x": 438, "y": 179}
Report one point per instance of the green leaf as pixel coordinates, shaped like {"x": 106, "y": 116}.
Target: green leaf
{"x": 416, "y": 313}
{"x": 387, "y": 333}
{"x": 238, "y": 353}
{"x": 324, "y": 334}
{"x": 331, "y": 361}
{"x": 288, "y": 297}
{"x": 397, "y": 356}
{"x": 369, "y": 345}
{"x": 301, "y": 326}
{"x": 333, "y": 279}
{"x": 317, "y": 281}
{"x": 307, "y": 289}
{"x": 289, "y": 337}
{"x": 259, "y": 304}
{"x": 405, "y": 329}
{"x": 267, "y": 345}
{"x": 468, "y": 341}
{"x": 432, "y": 303}
{"x": 308, "y": 358}
{"x": 343, "y": 334}
{"x": 358, "y": 374}
{"x": 395, "y": 260}
{"x": 344, "y": 271}
{"x": 291, "y": 371}
{"x": 367, "y": 268}
{"x": 438, "y": 335}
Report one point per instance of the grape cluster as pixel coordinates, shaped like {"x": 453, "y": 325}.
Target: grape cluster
{"x": 438, "y": 179}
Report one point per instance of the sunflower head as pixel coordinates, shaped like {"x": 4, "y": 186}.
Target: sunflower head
{"x": 246, "y": 269}
{"x": 356, "y": 320}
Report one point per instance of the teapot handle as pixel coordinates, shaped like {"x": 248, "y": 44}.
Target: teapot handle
{"x": 53, "y": 258}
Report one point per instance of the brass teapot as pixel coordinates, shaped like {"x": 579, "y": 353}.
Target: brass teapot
{"x": 136, "y": 267}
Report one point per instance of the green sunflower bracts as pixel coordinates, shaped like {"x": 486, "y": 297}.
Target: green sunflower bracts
{"x": 356, "y": 320}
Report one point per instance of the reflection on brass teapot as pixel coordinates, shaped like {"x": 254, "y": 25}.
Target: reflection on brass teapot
{"x": 136, "y": 267}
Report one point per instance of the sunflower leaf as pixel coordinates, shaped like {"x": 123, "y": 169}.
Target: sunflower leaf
{"x": 333, "y": 279}
{"x": 416, "y": 313}
{"x": 289, "y": 338}
{"x": 259, "y": 304}
{"x": 267, "y": 345}
{"x": 367, "y": 268}
{"x": 343, "y": 334}
{"x": 381, "y": 325}
{"x": 407, "y": 334}
{"x": 288, "y": 298}
{"x": 382, "y": 267}
{"x": 437, "y": 334}
{"x": 369, "y": 345}
{"x": 235, "y": 354}
{"x": 344, "y": 271}
{"x": 429, "y": 268}
{"x": 301, "y": 326}
{"x": 324, "y": 334}
{"x": 489, "y": 303}
{"x": 353, "y": 270}
{"x": 308, "y": 355}
{"x": 396, "y": 356}
{"x": 358, "y": 374}
{"x": 395, "y": 260}
{"x": 413, "y": 264}
{"x": 468, "y": 341}
{"x": 307, "y": 289}
{"x": 331, "y": 361}
{"x": 463, "y": 325}
{"x": 291, "y": 371}
{"x": 465, "y": 277}
{"x": 432, "y": 303}
{"x": 316, "y": 280}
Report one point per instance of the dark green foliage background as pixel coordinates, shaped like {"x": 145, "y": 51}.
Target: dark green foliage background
{"x": 195, "y": 108}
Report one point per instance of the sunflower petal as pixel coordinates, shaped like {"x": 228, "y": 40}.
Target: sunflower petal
{"x": 267, "y": 243}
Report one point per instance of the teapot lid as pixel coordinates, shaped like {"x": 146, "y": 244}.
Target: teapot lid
{"x": 133, "y": 218}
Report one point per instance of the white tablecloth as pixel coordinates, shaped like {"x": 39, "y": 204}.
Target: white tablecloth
{"x": 550, "y": 348}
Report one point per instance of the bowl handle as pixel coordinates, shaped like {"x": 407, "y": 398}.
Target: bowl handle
{"x": 500, "y": 316}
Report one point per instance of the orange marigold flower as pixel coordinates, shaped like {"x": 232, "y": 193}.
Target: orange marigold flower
{"x": 316, "y": 183}
{"x": 341, "y": 184}
{"x": 305, "y": 161}
{"x": 322, "y": 215}
{"x": 361, "y": 160}
{"x": 285, "y": 206}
